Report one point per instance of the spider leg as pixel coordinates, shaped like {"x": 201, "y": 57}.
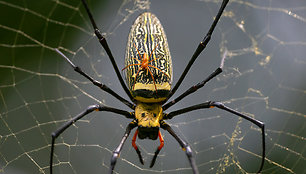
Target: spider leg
{"x": 139, "y": 61}
{"x": 161, "y": 140}
{"x": 152, "y": 53}
{"x": 136, "y": 148}
{"x": 88, "y": 110}
{"x": 131, "y": 65}
{"x": 184, "y": 146}
{"x": 192, "y": 89}
{"x": 212, "y": 104}
{"x": 197, "y": 86}
{"x": 202, "y": 45}
{"x": 117, "y": 151}
{"x": 141, "y": 57}
{"x": 104, "y": 44}
{"x": 159, "y": 70}
{"x": 152, "y": 78}
{"x": 95, "y": 82}
{"x": 136, "y": 77}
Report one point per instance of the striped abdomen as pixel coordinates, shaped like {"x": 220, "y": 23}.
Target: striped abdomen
{"x": 148, "y": 64}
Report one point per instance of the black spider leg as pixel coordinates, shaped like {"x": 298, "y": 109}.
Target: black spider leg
{"x": 88, "y": 110}
{"x": 194, "y": 88}
{"x": 117, "y": 151}
{"x": 199, "y": 49}
{"x": 184, "y": 146}
{"x": 220, "y": 105}
{"x": 96, "y": 83}
{"x": 104, "y": 44}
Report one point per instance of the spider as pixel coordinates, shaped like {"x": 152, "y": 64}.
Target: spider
{"x": 148, "y": 70}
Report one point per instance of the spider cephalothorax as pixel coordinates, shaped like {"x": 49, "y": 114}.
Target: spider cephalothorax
{"x": 148, "y": 115}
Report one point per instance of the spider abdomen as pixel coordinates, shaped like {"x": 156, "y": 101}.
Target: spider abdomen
{"x": 148, "y": 64}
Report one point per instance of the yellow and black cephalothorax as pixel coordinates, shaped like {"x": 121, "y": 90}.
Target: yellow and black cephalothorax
{"x": 148, "y": 117}
{"x": 148, "y": 64}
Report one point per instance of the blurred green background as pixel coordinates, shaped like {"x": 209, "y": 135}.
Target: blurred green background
{"x": 264, "y": 77}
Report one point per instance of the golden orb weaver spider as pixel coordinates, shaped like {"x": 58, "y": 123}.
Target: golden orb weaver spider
{"x": 148, "y": 69}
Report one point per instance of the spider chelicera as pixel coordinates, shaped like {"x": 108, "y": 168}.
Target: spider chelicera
{"x": 148, "y": 69}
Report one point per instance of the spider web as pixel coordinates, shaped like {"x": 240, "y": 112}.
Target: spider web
{"x": 264, "y": 77}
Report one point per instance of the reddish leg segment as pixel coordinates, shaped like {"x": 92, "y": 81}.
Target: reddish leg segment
{"x": 135, "y": 146}
{"x": 161, "y": 140}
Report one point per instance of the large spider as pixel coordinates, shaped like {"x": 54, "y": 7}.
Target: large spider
{"x": 148, "y": 69}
